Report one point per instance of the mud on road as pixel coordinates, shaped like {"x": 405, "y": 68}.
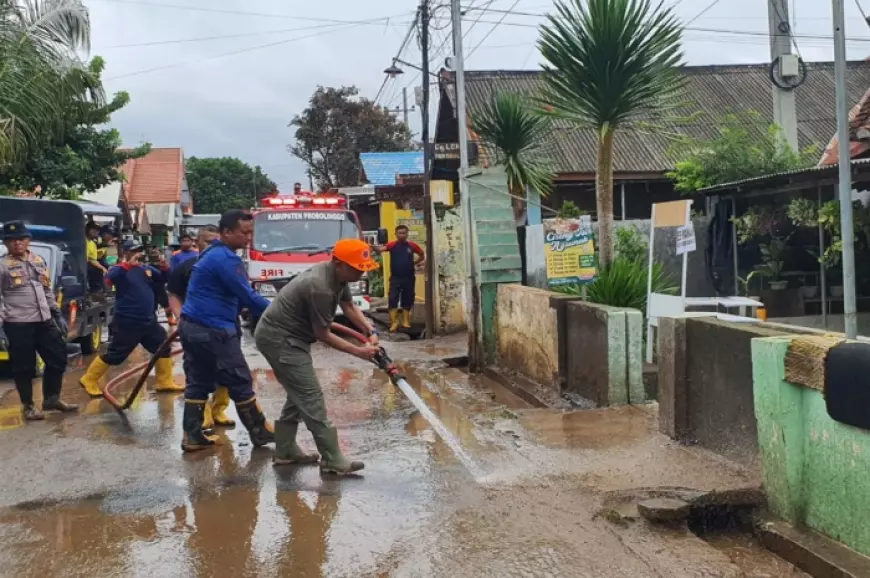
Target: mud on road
{"x": 88, "y": 495}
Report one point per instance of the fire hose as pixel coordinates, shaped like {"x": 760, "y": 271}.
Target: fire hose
{"x": 381, "y": 360}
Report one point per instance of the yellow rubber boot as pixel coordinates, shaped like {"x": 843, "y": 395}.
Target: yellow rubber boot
{"x": 164, "y": 382}
{"x": 406, "y": 318}
{"x": 91, "y": 379}
{"x": 208, "y": 417}
{"x": 394, "y": 320}
{"x": 220, "y": 401}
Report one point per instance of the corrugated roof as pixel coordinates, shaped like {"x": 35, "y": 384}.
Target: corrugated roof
{"x": 807, "y": 174}
{"x": 155, "y": 178}
{"x": 383, "y": 168}
{"x": 712, "y": 91}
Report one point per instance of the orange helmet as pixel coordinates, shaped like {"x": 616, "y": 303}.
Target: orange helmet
{"x": 356, "y": 253}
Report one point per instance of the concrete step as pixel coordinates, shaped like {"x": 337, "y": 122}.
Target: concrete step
{"x": 812, "y": 552}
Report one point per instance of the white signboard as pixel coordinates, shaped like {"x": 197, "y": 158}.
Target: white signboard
{"x": 685, "y": 239}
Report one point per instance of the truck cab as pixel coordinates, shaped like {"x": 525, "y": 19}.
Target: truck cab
{"x": 58, "y": 230}
{"x": 294, "y": 232}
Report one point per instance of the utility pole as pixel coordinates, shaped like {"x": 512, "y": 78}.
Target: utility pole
{"x": 472, "y": 284}
{"x": 427, "y": 172}
{"x": 404, "y": 108}
{"x": 786, "y": 67}
{"x": 845, "y": 162}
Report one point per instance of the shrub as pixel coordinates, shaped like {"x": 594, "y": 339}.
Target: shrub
{"x": 623, "y": 284}
{"x": 631, "y": 244}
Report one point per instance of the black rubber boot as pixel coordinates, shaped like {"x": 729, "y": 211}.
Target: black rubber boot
{"x": 252, "y": 418}
{"x": 194, "y": 438}
{"x": 54, "y": 403}
{"x": 32, "y": 414}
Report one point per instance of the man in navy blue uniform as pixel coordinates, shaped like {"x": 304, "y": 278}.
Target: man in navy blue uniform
{"x": 137, "y": 287}
{"x": 218, "y": 290}
{"x": 406, "y": 257}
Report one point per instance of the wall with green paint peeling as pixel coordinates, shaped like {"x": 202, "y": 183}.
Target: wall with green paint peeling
{"x": 816, "y": 470}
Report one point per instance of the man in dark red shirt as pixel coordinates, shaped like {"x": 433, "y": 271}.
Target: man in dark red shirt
{"x": 405, "y": 257}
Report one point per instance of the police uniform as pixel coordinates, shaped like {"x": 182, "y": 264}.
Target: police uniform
{"x": 218, "y": 290}
{"x": 134, "y": 323}
{"x": 31, "y": 322}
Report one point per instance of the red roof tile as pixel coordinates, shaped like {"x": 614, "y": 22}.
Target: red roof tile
{"x": 859, "y": 134}
{"x": 155, "y": 178}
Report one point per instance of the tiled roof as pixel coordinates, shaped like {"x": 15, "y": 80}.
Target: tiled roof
{"x": 155, "y": 178}
{"x": 383, "y": 168}
{"x": 712, "y": 91}
{"x": 859, "y": 134}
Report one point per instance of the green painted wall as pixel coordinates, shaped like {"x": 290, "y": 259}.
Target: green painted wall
{"x": 816, "y": 470}
{"x": 496, "y": 246}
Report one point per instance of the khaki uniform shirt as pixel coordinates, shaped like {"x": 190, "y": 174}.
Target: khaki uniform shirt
{"x": 305, "y": 305}
{"x": 26, "y": 295}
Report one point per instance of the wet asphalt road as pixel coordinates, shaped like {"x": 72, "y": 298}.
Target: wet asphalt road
{"x": 90, "y": 495}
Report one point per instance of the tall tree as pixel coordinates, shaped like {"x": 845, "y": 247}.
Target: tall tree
{"x": 746, "y": 147}
{"x": 607, "y": 63}
{"x": 336, "y": 127}
{"x": 40, "y": 72}
{"x": 85, "y": 158}
{"x": 219, "y": 184}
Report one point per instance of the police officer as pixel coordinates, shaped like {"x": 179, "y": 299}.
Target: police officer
{"x": 300, "y": 315}
{"x": 135, "y": 322}
{"x": 179, "y": 278}
{"x": 211, "y": 338}
{"x": 31, "y": 322}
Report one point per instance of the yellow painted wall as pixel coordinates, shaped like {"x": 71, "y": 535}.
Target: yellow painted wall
{"x": 391, "y": 216}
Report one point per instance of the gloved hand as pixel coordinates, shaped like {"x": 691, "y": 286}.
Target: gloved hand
{"x": 4, "y": 342}
{"x": 60, "y": 322}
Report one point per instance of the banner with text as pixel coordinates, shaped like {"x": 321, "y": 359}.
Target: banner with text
{"x": 570, "y": 251}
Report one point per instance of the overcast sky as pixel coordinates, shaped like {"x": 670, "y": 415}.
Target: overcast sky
{"x": 225, "y": 77}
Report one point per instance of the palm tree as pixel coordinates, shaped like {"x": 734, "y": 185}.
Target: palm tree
{"x": 514, "y": 134}
{"x": 607, "y": 64}
{"x": 41, "y": 74}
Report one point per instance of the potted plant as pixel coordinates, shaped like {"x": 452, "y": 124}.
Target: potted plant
{"x": 773, "y": 264}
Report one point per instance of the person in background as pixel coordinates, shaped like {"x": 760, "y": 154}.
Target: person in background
{"x": 211, "y": 336}
{"x": 405, "y": 257}
{"x": 135, "y": 321}
{"x": 186, "y": 252}
{"x": 297, "y": 188}
{"x": 179, "y": 278}
{"x": 96, "y": 270}
{"x": 108, "y": 247}
{"x": 31, "y": 323}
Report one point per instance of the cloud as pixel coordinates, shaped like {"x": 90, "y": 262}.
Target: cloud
{"x": 240, "y": 104}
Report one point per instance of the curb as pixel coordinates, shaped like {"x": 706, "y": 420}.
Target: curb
{"x": 815, "y": 554}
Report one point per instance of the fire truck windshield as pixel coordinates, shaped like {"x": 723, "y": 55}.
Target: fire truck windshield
{"x": 302, "y": 231}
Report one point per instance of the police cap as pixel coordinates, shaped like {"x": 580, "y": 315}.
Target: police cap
{"x": 15, "y": 230}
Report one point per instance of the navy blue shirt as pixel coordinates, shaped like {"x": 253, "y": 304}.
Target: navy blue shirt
{"x": 402, "y": 258}
{"x": 136, "y": 289}
{"x": 219, "y": 289}
{"x": 180, "y": 257}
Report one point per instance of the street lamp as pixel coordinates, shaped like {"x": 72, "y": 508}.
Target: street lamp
{"x": 393, "y": 71}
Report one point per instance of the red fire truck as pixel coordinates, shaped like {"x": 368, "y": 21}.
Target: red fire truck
{"x": 294, "y": 232}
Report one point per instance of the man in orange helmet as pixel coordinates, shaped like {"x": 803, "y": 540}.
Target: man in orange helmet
{"x": 300, "y": 315}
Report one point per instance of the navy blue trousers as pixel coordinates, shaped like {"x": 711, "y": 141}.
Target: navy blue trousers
{"x": 402, "y": 292}
{"x": 214, "y": 357}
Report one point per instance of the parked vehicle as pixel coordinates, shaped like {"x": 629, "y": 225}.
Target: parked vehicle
{"x": 58, "y": 229}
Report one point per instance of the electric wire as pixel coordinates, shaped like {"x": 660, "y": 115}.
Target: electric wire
{"x": 231, "y": 53}
{"x": 402, "y": 47}
{"x": 491, "y": 30}
{"x": 704, "y": 11}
